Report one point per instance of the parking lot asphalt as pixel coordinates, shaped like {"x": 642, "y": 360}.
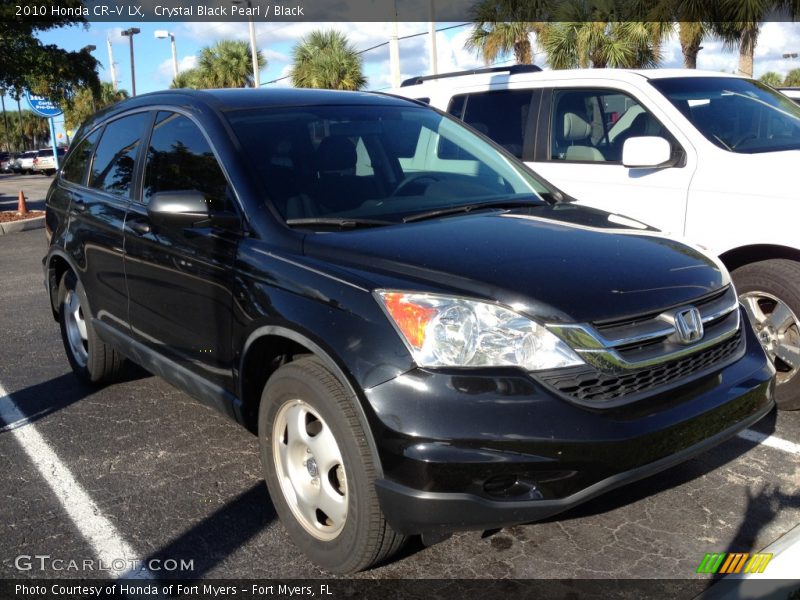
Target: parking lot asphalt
{"x": 176, "y": 480}
{"x": 34, "y": 186}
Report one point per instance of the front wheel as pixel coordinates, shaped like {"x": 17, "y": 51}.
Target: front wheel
{"x": 319, "y": 469}
{"x": 770, "y": 293}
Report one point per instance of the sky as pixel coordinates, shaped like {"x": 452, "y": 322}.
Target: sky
{"x": 275, "y": 40}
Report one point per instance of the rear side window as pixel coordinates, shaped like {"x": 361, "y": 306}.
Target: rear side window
{"x": 75, "y": 168}
{"x": 114, "y": 160}
{"x": 501, "y": 115}
{"x": 180, "y": 159}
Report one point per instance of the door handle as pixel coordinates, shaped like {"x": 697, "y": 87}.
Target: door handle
{"x": 139, "y": 227}
{"x": 77, "y": 205}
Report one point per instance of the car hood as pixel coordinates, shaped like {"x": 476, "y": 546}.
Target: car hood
{"x": 558, "y": 263}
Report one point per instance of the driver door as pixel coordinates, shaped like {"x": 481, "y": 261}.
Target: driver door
{"x": 180, "y": 278}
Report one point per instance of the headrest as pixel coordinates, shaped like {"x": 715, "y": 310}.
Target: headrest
{"x": 575, "y": 127}
{"x": 336, "y": 153}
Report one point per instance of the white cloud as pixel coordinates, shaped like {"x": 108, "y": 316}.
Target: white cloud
{"x": 164, "y": 71}
{"x": 275, "y": 56}
{"x": 115, "y": 35}
{"x": 775, "y": 40}
{"x": 283, "y": 78}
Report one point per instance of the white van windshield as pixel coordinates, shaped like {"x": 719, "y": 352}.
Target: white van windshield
{"x": 738, "y": 115}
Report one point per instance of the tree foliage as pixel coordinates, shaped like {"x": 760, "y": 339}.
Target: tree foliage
{"x": 226, "y": 64}
{"x": 505, "y": 26}
{"x": 601, "y": 44}
{"x": 187, "y": 79}
{"x": 771, "y": 78}
{"x": 43, "y": 69}
{"x": 326, "y": 59}
{"x": 35, "y": 130}
{"x": 738, "y": 24}
{"x": 84, "y": 104}
{"x": 792, "y": 78}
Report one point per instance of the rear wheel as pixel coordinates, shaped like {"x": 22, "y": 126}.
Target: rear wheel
{"x": 91, "y": 359}
{"x": 770, "y": 293}
{"x": 320, "y": 470}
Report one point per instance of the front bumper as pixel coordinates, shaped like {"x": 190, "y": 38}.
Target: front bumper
{"x": 477, "y": 450}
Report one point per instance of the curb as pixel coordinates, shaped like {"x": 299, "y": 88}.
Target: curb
{"x": 24, "y": 225}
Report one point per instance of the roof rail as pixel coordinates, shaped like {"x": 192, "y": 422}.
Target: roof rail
{"x": 511, "y": 70}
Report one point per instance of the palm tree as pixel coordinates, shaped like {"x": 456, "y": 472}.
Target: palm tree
{"x": 228, "y": 64}
{"x": 693, "y": 18}
{"x": 505, "y": 26}
{"x": 187, "y": 79}
{"x": 627, "y": 44}
{"x": 34, "y": 128}
{"x": 325, "y": 59}
{"x": 738, "y": 24}
{"x": 792, "y": 78}
{"x": 771, "y": 78}
{"x": 691, "y": 35}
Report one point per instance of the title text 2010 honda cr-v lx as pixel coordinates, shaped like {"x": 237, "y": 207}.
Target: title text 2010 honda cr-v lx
{"x": 426, "y": 337}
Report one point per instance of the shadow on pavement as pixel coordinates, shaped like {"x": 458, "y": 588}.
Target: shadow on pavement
{"x": 218, "y": 536}
{"x": 43, "y": 399}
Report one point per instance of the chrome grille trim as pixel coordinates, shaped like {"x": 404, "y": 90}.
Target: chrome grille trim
{"x": 653, "y": 340}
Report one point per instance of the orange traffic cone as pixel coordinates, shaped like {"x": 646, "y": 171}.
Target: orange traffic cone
{"x": 22, "y": 206}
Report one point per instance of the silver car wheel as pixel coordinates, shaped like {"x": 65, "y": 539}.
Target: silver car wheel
{"x": 76, "y": 328}
{"x": 778, "y": 330}
{"x": 310, "y": 469}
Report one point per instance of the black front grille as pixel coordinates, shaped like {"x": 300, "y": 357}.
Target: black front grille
{"x": 591, "y": 385}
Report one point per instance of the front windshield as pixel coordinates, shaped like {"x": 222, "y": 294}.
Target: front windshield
{"x": 380, "y": 163}
{"x": 739, "y": 115}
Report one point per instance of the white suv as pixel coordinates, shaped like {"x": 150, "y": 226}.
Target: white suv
{"x": 793, "y": 93}
{"x": 705, "y": 156}
{"x": 44, "y": 162}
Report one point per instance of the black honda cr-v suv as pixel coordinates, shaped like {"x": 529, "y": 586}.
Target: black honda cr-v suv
{"x": 425, "y": 336}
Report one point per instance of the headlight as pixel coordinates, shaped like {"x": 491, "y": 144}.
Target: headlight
{"x": 444, "y": 331}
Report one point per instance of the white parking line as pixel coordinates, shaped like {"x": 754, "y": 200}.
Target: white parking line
{"x": 769, "y": 440}
{"x": 105, "y": 540}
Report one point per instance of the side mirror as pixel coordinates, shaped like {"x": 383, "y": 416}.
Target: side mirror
{"x": 646, "y": 152}
{"x": 178, "y": 209}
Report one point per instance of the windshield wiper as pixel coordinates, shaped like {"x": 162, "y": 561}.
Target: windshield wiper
{"x": 465, "y": 208}
{"x": 340, "y": 222}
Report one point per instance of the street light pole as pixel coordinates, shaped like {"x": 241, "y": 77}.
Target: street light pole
{"x": 111, "y": 64}
{"x": 5, "y": 117}
{"x": 129, "y": 33}
{"x": 253, "y": 47}
{"x": 163, "y": 34}
{"x": 432, "y": 33}
{"x": 19, "y": 121}
{"x": 254, "y": 51}
{"x": 394, "y": 49}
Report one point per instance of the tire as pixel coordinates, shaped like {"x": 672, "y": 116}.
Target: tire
{"x": 92, "y": 360}
{"x": 355, "y": 535}
{"x": 770, "y": 293}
